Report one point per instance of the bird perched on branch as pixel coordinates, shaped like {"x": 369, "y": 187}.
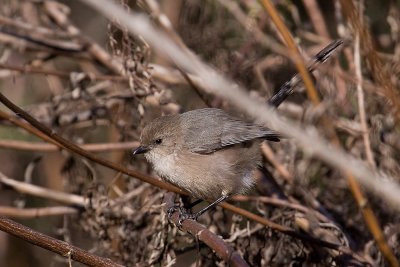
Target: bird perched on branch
{"x": 207, "y": 152}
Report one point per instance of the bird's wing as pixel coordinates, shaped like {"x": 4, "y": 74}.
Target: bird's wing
{"x": 215, "y": 129}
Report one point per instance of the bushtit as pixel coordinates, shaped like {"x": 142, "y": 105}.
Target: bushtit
{"x": 206, "y": 152}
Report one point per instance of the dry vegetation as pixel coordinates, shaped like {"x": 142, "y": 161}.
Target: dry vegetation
{"x": 91, "y": 82}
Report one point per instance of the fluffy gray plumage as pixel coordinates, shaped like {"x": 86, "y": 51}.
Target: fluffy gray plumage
{"x": 205, "y": 151}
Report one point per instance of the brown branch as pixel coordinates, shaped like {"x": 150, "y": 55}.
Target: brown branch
{"x": 43, "y": 192}
{"x": 62, "y": 197}
{"x": 361, "y": 103}
{"x": 225, "y": 252}
{"x": 62, "y": 74}
{"x": 45, "y": 147}
{"x": 269, "y": 154}
{"x": 60, "y": 247}
{"x": 27, "y": 127}
{"x": 36, "y": 212}
{"x": 160, "y": 73}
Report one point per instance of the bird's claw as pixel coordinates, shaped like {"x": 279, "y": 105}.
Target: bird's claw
{"x": 183, "y": 214}
{"x": 186, "y": 215}
{"x": 171, "y": 210}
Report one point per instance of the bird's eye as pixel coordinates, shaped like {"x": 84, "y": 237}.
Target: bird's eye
{"x": 158, "y": 141}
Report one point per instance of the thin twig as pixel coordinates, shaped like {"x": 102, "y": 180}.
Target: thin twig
{"x": 58, "y": 196}
{"x": 36, "y": 212}
{"x": 27, "y": 127}
{"x": 45, "y": 147}
{"x": 62, "y": 74}
{"x": 282, "y": 203}
{"x": 160, "y": 73}
{"x": 361, "y": 106}
{"x": 43, "y": 192}
{"x": 269, "y": 154}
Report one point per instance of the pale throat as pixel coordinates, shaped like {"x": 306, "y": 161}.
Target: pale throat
{"x": 164, "y": 165}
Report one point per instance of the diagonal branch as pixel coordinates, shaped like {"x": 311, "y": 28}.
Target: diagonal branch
{"x": 81, "y": 152}
{"x": 60, "y": 247}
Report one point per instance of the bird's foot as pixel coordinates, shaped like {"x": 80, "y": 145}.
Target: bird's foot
{"x": 184, "y": 214}
{"x": 175, "y": 207}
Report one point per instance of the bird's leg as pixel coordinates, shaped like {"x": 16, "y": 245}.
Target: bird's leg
{"x": 186, "y": 215}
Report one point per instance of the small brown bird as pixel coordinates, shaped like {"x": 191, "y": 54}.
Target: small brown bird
{"x": 206, "y": 152}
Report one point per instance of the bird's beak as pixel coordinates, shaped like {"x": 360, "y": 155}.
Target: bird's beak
{"x": 140, "y": 150}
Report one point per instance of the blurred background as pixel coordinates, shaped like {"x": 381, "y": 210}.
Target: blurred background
{"x": 90, "y": 81}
